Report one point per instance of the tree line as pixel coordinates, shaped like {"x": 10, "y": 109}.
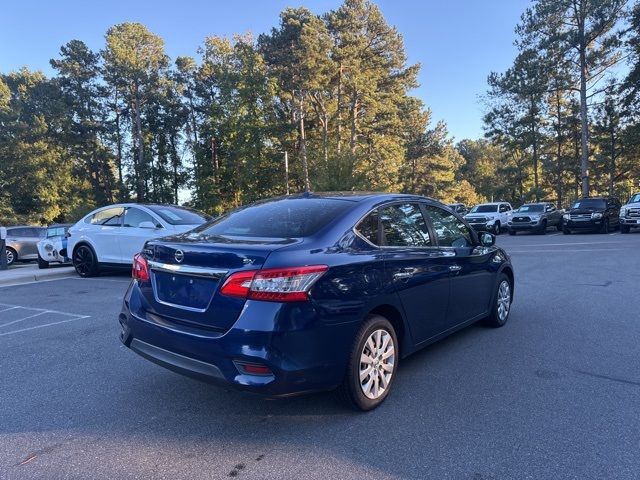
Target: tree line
{"x": 332, "y": 93}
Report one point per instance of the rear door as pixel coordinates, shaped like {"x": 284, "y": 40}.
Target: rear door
{"x": 106, "y": 226}
{"x": 416, "y": 268}
{"x": 468, "y": 265}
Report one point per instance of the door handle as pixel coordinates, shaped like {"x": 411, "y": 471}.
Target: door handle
{"x": 455, "y": 268}
{"x": 404, "y": 273}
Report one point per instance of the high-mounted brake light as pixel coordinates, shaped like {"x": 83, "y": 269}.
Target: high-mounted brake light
{"x": 274, "y": 284}
{"x": 140, "y": 269}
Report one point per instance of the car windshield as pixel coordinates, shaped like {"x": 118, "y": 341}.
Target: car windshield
{"x": 178, "y": 215}
{"x": 286, "y": 218}
{"x": 484, "y": 209}
{"x": 634, "y": 198}
{"x": 590, "y": 203}
{"x": 531, "y": 208}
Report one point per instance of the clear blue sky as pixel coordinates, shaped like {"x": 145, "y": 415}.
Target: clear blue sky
{"x": 457, "y": 42}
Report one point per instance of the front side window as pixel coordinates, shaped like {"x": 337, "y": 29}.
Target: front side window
{"x": 634, "y": 198}
{"x": 404, "y": 226}
{"x": 133, "y": 217}
{"x": 450, "y": 231}
{"x": 108, "y": 216}
{"x": 368, "y": 228}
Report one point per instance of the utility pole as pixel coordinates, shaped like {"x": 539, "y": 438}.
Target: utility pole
{"x": 3, "y": 248}
{"x": 286, "y": 170}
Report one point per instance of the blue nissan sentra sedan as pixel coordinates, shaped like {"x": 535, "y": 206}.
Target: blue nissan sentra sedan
{"x": 312, "y": 292}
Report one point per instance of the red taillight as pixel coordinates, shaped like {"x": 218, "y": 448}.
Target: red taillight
{"x": 140, "y": 269}
{"x": 274, "y": 284}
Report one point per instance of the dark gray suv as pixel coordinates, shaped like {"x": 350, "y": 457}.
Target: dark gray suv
{"x": 22, "y": 243}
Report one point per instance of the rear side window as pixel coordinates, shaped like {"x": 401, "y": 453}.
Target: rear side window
{"x": 368, "y": 228}
{"x": 286, "y": 218}
{"x": 404, "y": 226}
{"x": 451, "y": 232}
{"x": 18, "y": 232}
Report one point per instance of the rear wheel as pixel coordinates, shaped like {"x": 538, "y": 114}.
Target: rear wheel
{"x": 85, "y": 261}
{"x": 42, "y": 263}
{"x": 12, "y": 256}
{"x": 372, "y": 364}
{"x": 502, "y": 302}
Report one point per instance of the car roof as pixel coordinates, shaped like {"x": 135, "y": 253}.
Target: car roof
{"x": 492, "y": 203}
{"x": 357, "y": 196}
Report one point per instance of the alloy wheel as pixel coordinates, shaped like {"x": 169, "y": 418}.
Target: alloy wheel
{"x": 83, "y": 260}
{"x": 504, "y": 300}
{"x": 10, "y": 257}
{"x": 377, "y": 364}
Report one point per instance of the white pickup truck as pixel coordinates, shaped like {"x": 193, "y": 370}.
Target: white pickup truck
{"x": 492, "y": 217}
{"x": 630, "y": 214}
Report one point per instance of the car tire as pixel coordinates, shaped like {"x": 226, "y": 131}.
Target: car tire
{"x": 625, "y": 228}
{"x": 566, "y": 231}
{"x": 543, "y": 228}
{"x": 42, "y": 263}
{"x": 502, "y": 300}
{"x": 605, "y": 226}
{"x": 496, "y": 229}
{"x": 559, "y": 227}
{"x": 85, "y": 261}
{"x": 512, "y": 232}
{"x": 12, "y": 256}
{"x": 375, "y": 339}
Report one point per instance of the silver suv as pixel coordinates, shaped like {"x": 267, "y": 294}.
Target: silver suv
{"x": 22, "y": 243}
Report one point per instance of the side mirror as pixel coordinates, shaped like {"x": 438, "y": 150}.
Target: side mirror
{"x": 149, "y": 225}
{"x": 487, "y": 239}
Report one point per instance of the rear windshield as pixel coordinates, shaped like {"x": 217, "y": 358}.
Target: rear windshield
{"x": 590, "y": 203}
{"x": 178, "y": 215}
{"x": 287, "y": 218}
{"x": 634, "y": 198}
{"x": 531, "y": 208}
{"x": 484, "y": 208}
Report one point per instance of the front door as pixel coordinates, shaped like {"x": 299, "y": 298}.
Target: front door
{"x": 469, "y": 265}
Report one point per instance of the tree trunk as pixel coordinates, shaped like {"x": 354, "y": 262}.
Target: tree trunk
{"x": 140, "y": 144}
{"x": 612, "y": 165}
{"x": 303, "y": 146}
{"x": 559, "y": 142}
{"x": 339, "y": 110}
{"x": 534, "y": 139}
{"x": 353, "y": 141}
{"x": 119, "y": 150}
{"x": 584, "y": 121}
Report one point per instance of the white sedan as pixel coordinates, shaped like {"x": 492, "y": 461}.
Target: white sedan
{"x": 111, "y": 236}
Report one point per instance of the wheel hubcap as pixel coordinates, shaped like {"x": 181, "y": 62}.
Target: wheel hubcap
{"x": 377, "y": 363}
{"x": 504, "y": 300}
{"x": 9, "y": 257}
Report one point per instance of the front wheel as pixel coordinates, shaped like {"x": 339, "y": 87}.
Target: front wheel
{"x": 372, "y": 364}
{"x": 42, "y": 263}
{"x": 543, "y": 228}
{"x": 512, "y": 232}
{"x": 84, "y": 261}
{"x": 566, "y": 231}
{"x": 502, "y": 302}
{"x": 496, "y": 228}
{"x": 605, "y": 226}
{"x": 625, "y": 228}
{"x": 12, "y": 256}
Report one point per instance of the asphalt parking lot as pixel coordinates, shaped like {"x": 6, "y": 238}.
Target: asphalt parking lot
{"x": 554, "y": 394}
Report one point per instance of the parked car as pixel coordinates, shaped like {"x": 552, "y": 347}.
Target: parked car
{"x": 22, "y": 243}
{"x": 459, "y": 208}
{"x": 630, "y": 214}
{"x": 491, "y": 217}
{"x": 312, "y": 292}
{"x": 592, "y": 213}
{"x": 53, "y": 248}
{"x": 111, "y": 236}
{"x": 535, "y": 217}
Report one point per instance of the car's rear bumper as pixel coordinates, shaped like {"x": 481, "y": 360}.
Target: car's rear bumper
{"x": 307, "y": 354}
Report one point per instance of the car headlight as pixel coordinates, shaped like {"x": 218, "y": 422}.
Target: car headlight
{"x": 48, "y": 247}
{"x": 623, "y": 212}
{"x": 566, "y": 216}
{"x": 596, "y": 215}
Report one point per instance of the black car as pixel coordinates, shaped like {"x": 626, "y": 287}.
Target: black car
{"x": 599, "y": 214}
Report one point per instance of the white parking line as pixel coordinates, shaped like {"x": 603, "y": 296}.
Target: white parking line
{"x": 42, "y": 326}
{"x": 7, "y": 309}
{"x": 43, "y": 310}
{"x": 21, "y": 319}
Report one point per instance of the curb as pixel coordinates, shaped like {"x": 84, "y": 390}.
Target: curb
{"x": 37, "y": 276}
